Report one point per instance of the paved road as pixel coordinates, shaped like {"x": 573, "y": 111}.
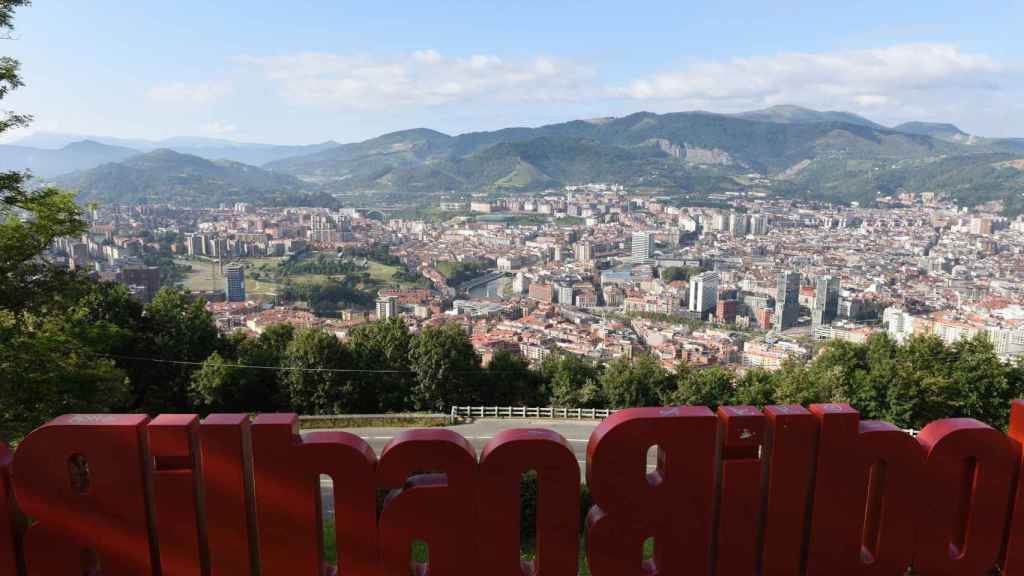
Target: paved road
{"x": 577, "y": 433}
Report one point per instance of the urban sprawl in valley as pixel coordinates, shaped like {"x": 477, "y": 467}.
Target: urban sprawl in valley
{"x": 595, "y": 270}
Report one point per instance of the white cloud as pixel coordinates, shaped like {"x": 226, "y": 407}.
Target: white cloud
{"x": 425, "y": 77}
{"x": 898, "y": 78}
{"x": 189, "y": 93}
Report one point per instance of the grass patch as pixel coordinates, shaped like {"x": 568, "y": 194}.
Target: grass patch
{"x": 381, "y": 272}
{"x": 309, "y": 278}
{"x": 206, "y": 275}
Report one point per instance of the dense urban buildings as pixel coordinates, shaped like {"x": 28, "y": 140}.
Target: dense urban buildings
{"x": 596, "y": 271}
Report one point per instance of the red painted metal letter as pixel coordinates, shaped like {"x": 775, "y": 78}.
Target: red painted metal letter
{"x": 966, "y": 494}
{"x": 80, "y": 478}
{"x": 739, "y": 500}
{"x": 865, "y": 498}
{"x": 230, "y": 519}
{"x": 672, "y": 504}
{"x": 9, "y": 545}
{"x": 435, "y": 477}
{"x": 790, "y": 440}
{"x": 286, "y": 470}
{"x": 177, "y": 494}
{"x": 504, "y": 460}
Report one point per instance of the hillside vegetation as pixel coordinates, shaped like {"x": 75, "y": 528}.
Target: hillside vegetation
{"x": 787, "y": 150}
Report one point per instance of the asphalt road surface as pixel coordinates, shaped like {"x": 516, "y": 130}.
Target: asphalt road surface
{"x": 480, "y": 432}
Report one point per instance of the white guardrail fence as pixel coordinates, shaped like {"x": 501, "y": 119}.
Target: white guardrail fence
{"x": 529, "y": 412}
{"x": 534, "y": 412}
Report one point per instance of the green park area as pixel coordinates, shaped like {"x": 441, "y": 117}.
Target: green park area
{"x": 324, "y": 279}
{"x": 208, "y": 274}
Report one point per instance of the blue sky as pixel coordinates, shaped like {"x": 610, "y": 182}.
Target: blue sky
{"x": 305, "y": 71}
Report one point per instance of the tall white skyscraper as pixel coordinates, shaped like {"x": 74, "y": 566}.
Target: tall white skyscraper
{"x": 584, "y": 251}
{"x": 520, "y": 284}
{"x": 704, "y": 292}
{"x": 642, "y": 246}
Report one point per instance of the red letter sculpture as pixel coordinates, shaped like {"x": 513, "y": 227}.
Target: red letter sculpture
{"x": 80, "y": 478}
{"x": 739, "y": 501}
{"x": 865, "y": 498}
{"x": 226, "y": 475}
{"x": 9, "y": 544}
{"x": 966, "y": 498}
{"x": 673, "y": 504}
{"x": 436, "y": 471}
{"x": 286, "y": 470}
{"x": 505, "y": 458}
{"x": 177, "y": 494}
{"x": 1013, "y": 562}
{"x": 789, "y": 443}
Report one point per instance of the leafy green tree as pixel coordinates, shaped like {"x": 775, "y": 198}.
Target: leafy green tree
{"x": 979, "y": 382}
{"x": 383, "y": 346}
{"x": 508, "y": 381}
{"x": 178, "y": 331}
{"x": 641, "y": 381}
{"x": 572, "y": 382}
{"x": 30, "y": 218}
{"x": 45, "y": 372}
{"x": 44, "y": 369}
{"x": 755, "y": 388}
{"x": 313, "y": 385}
{"x": 446, "y": 366}
{"x": 251, "y": 383}
{"x": 794, "y": 384}
{"x": 711, "y": 387}
{"x": 214, "y": 385}
{"x": 673, "y": 273}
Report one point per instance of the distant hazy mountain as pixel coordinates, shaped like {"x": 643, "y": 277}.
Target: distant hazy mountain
{"x": 951, "y": 133}
{"x": 692, "y": 151}
{"x": 168, "y": 176}
{"x": 783, "y": 150}
{"x": 209, "y": 148}
{"x": 74, "y": 156}
{"x": 936, "y": 129}
{"x": 797, "y": 114}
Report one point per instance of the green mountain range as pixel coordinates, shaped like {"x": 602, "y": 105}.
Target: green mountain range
{"x": 785, "y": 150}
{"x": 166, "y": 176}
{"x": 73, "y": 156}
{"x": 791, "y": 150}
